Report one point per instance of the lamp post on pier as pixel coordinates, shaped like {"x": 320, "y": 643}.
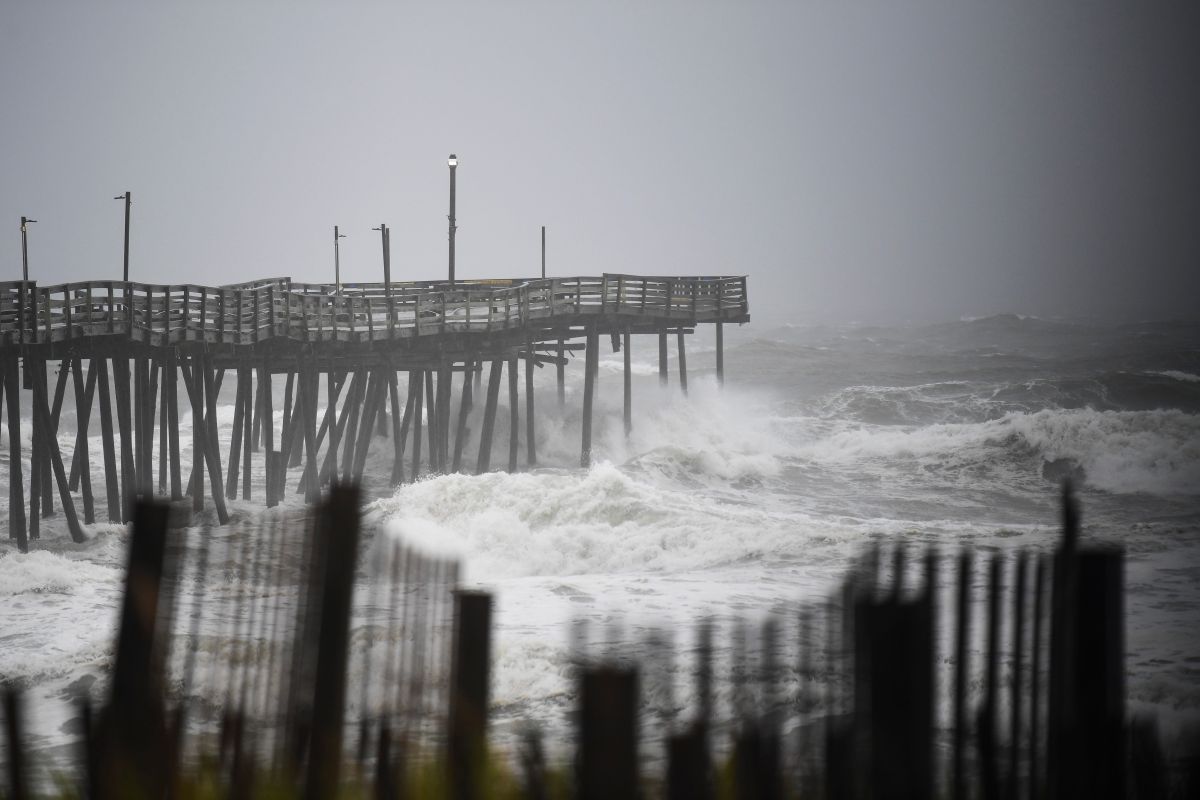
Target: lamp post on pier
{"x": 453, "y": 162}
{"x": 337, "y": 264}
{"x": 128, "y": 198}
{"x": 25, "y": 248}
{"x": 385, "y": 237}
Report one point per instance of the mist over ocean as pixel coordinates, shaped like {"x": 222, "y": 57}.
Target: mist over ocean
{"x": 741, "y": 501}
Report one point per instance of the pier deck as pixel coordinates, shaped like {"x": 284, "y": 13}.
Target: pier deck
{"x": 360, "y": 336}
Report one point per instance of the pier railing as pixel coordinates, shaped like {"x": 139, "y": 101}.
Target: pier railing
{"x": 248, "y": 313}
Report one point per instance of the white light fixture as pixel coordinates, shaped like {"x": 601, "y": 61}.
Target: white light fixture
{"x": 453, "y": 160}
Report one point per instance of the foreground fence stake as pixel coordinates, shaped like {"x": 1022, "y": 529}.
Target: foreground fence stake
{"x": 469, "y": 692}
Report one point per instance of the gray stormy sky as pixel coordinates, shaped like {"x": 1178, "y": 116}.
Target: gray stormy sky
{"x": 859, "y": 161}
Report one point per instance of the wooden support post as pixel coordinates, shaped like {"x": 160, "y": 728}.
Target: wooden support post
{"x": 235, "y": 437}
{"x": 397, "y": 436}
{"x": 35, "y": 456}
{"x": 53, "y": 454}
{"x": 514, "y": 415}
{"x": 464, "y": 410}
{"x": 404, "y": 424}
{"x": 295, "y": 446}
{"x": 628, "y": 405}
{"x": 16, "y": 483}
{"x": 361, "y": 435}
{"x": 195, "y": 387}
{"x": 560, "y": 369}
{"x": 1035, "y": 679}
{"x": 337, "y": 544}
{"x": 607, "y": 736}
{"x": 377, "y": 387}
{"x": 682, "y": 362}
{"x": 662, "y": 358}
{"x": 312, "y": 488}
{"x": 60, "y": 391}
{"x": 171, "y": 380}
{"x": 962, "y": 676}
{"x": 720, "y": 354}
{"x": 141, "y": 386}
{"x": 268, "y": 422}
{"x": 328, "y": 421}
{"x": 112, "y": 480}
{"x": 256, "y": 428}
{"x": 416, "y": 379}
{"x": 164, "y": 425}
{"x": 354, "y": 406}
{"x": 382, "y": 414}
{"x": 329, "y": 469}
{"x": 469, "y": 681}
{"x": 286, "y": 434}
{"x": 83, "y": 411}
{"x": 591, "y": 354}
{"x": 151, "y": 406}
{"x": 530, "y": 429}
{"x": 125, "y": 425}
{"x": 40, "y": 496}
{"x": 1017, "y": 655}
{"x": 431, "y": 423}
{"x": 445, "y": 398}
{"x": 333, "y": 387}
{"x": 247, "y": 418}
{"x": 212, "y": 450}
{"x": 84, "y": 392}
{"x": 987, "y": 728}
{"x": 489, "y": 418}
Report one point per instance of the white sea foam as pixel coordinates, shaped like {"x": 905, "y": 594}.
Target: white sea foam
{"x": 1179, "y": 376}
{"x": 1157, "y": 452}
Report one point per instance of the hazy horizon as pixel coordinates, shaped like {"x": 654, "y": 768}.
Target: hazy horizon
{"x": 873, "y": 163}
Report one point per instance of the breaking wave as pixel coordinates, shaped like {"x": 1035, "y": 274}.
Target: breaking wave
{"x": 1156, "y": 452}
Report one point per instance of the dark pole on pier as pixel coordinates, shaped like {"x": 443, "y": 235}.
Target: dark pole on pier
{"x": 543, "y": 252}
{"x": 25, "y": 250}
{"x": 337, "y": 263}
{"x": 453, "y": 162}
{"x": 128, "y": 198}
{"x": 383, "y": 239}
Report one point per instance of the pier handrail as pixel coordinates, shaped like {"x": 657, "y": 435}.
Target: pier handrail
{"x": 251, "y": 312}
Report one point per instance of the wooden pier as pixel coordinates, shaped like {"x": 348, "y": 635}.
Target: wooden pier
{"x": 127, "y": 346}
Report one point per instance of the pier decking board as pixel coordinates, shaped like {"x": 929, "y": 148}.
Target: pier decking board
{"x": 360, "y": 336}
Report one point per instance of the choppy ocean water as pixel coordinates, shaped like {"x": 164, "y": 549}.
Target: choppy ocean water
{"x": 737, "y": 503}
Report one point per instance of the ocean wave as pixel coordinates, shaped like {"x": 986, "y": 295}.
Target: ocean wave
{"x": 1155, "y": 452}
{"x": 572, "y": 522}
{"x": 43, "y": 572}
{"x": 981, "y": 399}
{"x": 1187, "y": 377}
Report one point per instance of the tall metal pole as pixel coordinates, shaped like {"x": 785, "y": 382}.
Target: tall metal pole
{"x": 453, "y": 162}
{"x": 383, "y": 240}
{"x": 25, "y": 248}
{"x": 337, "y": 264}
{"x": 128, "y": 198}
{"x": 543, "y": 252}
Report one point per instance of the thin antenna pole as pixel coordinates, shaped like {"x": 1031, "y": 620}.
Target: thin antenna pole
{"x": 25, "y": 248}
{"x": 128, "y": 198}
{"x": 453, "y": 162}
{"x": 337, "y": 263}
{"x": 543, "y": 252}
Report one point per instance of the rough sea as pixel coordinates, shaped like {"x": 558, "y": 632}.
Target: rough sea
{"x": 731, "y": 503}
